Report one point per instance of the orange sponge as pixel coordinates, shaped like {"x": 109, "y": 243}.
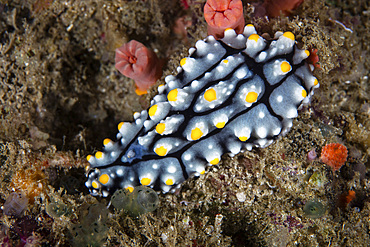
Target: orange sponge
{"x": 223, "y": 14}
{"x": 334, "y": 155}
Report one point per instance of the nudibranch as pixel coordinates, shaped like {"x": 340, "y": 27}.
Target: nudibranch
{"x": 229, "y": 95}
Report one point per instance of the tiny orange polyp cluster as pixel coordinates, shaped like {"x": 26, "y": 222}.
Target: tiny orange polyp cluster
{"x": 31, "y": 181}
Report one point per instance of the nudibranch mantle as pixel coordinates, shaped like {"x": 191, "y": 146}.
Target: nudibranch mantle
{"x": 229, "y": 95}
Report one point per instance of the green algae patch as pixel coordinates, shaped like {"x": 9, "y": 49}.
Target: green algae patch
{"x": 314, "y": 209}
{"x": 140, "y": 201}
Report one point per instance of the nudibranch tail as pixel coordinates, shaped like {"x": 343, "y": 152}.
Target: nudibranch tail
{"x": 229, "y": 95}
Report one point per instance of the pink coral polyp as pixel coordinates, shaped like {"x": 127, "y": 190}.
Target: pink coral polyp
{"x": 223, "y": 14}
{"x": 139, "y": 63}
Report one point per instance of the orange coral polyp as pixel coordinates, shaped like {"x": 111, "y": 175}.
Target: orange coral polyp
{"x": 334, "y": 155}
{"x": 350, "y": 196}
{"x": 346, "y": 198}
{"x": 223, "y": 14}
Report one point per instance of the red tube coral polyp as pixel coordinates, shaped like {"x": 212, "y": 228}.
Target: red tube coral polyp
{"x": 274, "y": 8}
{"x": 334, "y": 155}
{"x": 313, "y": 58}
{"x": 139, "y": 63}
{"x": 223, "y": 14}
